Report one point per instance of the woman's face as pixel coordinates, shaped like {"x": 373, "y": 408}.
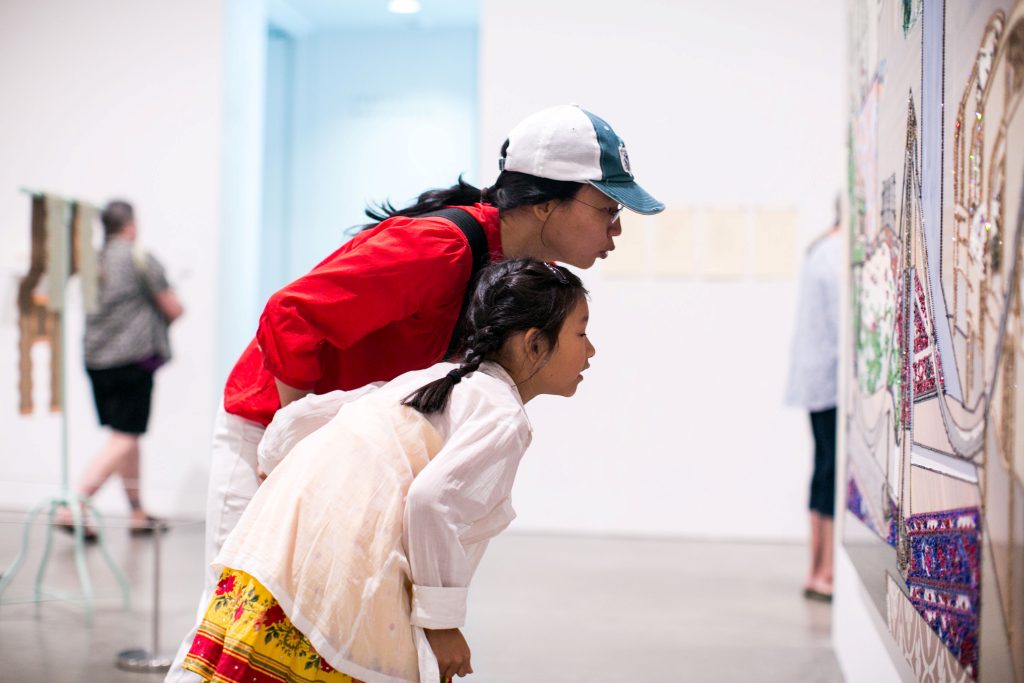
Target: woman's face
{"x": 582, "y": 229}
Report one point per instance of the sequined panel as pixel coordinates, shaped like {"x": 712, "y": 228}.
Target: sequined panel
{"x": 924, "y": 358}
{"x": 880, "y": 520}
{"x": 943, "y": 577}
{"x": 855, "y": 503}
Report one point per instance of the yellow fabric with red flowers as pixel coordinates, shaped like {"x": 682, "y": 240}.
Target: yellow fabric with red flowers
{"x": 246, "y": 636}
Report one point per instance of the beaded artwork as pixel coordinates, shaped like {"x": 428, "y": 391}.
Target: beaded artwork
{"x": 855, "y": 504}
{"x": 884, "y": 526}
{"x": 925, "y": 360}
{"x": 892, "y": 534}
{"x": 911, "y": 13}
{"x": 876, "y": 258}
{"x": 944, "y": 578}
{"x": 936, "y": 229}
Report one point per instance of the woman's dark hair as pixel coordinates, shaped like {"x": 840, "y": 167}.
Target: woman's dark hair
{"x": 512, "y": 189}
{"x": 509, "y": 297}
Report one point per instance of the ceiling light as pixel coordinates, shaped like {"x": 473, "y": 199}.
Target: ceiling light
{"x": 404, "y": 6}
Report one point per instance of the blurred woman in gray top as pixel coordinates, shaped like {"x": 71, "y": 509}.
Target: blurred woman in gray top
{"x": 125, "y": 342}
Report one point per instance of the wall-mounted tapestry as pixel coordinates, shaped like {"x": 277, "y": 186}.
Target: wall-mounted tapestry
{"x": 934, "y": 414}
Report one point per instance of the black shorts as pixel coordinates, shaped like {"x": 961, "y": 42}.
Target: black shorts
{"x": 122, "y": 396}
{"x": 823, "y": 481}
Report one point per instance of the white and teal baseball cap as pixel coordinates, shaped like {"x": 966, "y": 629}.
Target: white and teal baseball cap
{"x": 569, "y": 143}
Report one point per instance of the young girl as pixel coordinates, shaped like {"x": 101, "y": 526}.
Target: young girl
{"x": 354, "y": 558}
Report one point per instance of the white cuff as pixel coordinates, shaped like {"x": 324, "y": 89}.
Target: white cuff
{"x": 437, "y": 608}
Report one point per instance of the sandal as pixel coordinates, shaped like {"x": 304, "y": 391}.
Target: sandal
{"x": 812, "y": 594}
{"x": 89, "y": 535}
{"x": 150, "y": 527}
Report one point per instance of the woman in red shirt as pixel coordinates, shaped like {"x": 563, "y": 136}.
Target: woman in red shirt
{"x": 387, "y": 301}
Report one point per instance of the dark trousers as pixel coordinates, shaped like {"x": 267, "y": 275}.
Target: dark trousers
{"x": 823, "y": 480}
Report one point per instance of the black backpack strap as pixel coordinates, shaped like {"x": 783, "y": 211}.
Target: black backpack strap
{"x": 474, "y": 233}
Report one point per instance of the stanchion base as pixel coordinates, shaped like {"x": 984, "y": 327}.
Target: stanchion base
{"x": 142, "y": 661}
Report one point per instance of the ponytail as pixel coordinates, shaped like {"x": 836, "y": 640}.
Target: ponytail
{"x": 511, "y": 190}
{"x": 459, "y": 194}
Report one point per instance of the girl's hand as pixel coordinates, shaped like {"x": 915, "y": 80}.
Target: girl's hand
{"x": 451, "y": 651}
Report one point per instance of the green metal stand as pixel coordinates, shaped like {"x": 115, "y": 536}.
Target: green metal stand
{"x": 75, "y": 503}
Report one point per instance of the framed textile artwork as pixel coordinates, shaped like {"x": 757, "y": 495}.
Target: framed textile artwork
{"x": 934, "y": 409}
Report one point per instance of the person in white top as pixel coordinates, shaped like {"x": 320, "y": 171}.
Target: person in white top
{"x": 812, "y": 385}
{"x": 354, "y": 558}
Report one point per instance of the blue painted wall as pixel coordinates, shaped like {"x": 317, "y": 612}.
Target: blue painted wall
{"x": 375, "y": 115}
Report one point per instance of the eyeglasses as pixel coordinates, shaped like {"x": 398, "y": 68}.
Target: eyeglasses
{"x": 613, "y": 213}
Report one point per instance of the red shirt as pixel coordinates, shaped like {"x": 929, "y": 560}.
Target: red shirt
{"x": 383, "y": 304}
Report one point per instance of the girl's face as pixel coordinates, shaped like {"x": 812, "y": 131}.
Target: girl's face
{"x": 581, "y": 230}
{"x": 561, "y": 373}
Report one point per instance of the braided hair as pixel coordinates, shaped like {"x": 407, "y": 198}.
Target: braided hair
{"x": 509, "y": 297}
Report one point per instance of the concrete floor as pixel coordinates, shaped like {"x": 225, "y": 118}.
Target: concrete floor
{"x": 553, "y": 609}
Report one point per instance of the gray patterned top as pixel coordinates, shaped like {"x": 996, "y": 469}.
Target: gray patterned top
{"x": 128, "y": 327}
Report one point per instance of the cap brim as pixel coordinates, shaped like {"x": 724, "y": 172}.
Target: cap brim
{"x": 631, "y": 196}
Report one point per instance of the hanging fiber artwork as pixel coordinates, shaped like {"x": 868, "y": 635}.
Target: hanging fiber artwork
{"x": 61, "y": 244}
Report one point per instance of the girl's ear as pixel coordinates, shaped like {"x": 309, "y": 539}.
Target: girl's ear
{"x": 534, "y": 344}
{"x": 524, "y": 353}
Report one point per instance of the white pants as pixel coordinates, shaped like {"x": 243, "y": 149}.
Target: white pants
{"x": 233, "y": 483}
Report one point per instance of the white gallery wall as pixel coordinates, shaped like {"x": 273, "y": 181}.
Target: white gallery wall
{"x": 679, "y": 427}
{"x": 120, "y": 101}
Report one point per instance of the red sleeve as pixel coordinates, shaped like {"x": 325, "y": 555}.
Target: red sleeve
{"x": 407, "y": 267}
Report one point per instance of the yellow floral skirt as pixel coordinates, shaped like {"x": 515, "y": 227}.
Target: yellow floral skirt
{"x": 245, "y": 636}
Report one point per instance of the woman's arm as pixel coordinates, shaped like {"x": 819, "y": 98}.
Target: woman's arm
{"x": 288, "y": 394}
{"x": 169, "y": 305}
